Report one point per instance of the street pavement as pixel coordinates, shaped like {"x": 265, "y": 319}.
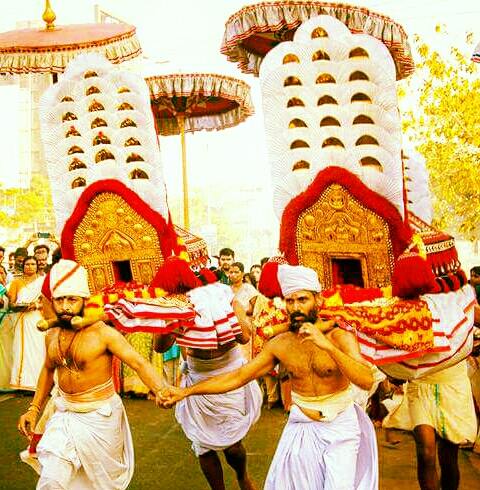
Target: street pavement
{"x": 163, "y": 459}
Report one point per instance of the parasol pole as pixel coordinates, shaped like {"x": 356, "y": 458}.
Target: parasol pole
{"x": 186, "y": 217}
{"x": 49, "y": 18}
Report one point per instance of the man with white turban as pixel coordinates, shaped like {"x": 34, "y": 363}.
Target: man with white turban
{"x": 329, "y": 442}
{"x": 87, "y": 442}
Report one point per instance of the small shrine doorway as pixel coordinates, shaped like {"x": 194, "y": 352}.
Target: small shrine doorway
{"x": 344, "y": 241}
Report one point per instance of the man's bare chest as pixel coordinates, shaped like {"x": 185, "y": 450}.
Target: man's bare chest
{"x": 305, "y": 359}
{"x": 74, "y": 351}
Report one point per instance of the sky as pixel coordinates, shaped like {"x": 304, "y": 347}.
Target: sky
{"x": 185, "y": 36}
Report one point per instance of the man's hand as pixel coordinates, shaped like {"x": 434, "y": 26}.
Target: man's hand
{"x": 168, "y": 396}
{"x": 31, "y": 306}
{"x": 308, "y": 331}
{"x": 27, "y": 423}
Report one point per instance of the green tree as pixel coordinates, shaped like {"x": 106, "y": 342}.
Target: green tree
{"x": 20, "y": 207}
{"x": 446, "y": 125}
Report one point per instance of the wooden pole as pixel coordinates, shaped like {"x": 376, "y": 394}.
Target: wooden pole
{"x": 186, "y": 216}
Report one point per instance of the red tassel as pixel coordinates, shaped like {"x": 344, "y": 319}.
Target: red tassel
{"x": 268, "y": 283}
{"x": 207, "y": 276}
{"x": 175, "y": 276}
{"x": 412, "y": 276}
{"x": 456, "y": 285}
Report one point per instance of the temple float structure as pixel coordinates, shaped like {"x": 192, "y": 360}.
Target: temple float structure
{"x": 354, "y": 206}
{"x": 109, "y": 198}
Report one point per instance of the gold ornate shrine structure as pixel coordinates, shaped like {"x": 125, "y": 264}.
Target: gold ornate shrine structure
{"x": 115, "y": 243}
{"x": 345, "y": 242}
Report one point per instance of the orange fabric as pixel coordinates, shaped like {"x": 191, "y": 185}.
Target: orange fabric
{"x": 95, "y": 394}
{"x": 404, "y": 325}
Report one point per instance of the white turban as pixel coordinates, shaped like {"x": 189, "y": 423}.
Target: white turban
{"x": 293, "y": 278}
{"x": 68, "y": 278}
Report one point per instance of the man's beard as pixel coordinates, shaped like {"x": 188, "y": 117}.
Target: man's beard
{"x": 65, "y": 318}
{"x": 297, "y": 319}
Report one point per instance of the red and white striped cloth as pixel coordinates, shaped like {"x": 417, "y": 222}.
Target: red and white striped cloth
{"x": 215, "y": 322}
{"x": 149, "y": 316}
{"x": 206, "y": 323}
{"x": 453, "y": 332}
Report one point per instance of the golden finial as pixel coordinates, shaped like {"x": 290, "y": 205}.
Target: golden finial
{"x": 49, "y": 16}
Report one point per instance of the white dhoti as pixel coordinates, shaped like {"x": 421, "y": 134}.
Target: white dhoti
{"x": 444, "y": 401}
{"x": 339, "y": 454}
{"x": 86, "y": 445}
{"x": 216, "y": 422}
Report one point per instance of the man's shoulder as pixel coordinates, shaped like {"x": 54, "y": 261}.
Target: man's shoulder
{"x": 99, "y": 328}
{"x": 282, "y": 340}
{"x": 51, "y": 333}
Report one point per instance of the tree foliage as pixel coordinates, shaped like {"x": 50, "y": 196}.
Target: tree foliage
{"x": 445, "y": 124}
{"x": 20, "y": 207}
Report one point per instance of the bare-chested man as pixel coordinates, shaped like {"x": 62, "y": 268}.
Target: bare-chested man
{"x": 328, "y": 442}
{"x": 218, "y": 422}
{"x": 87, "y": 442}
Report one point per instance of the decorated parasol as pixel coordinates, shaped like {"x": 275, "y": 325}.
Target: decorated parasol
{"x": 254, "y": 30}
{"x": 476, "y": 54}
{"x": 196, "y": 247}
{"x": 197, "y": 101}
{"x": 50, "y": 49}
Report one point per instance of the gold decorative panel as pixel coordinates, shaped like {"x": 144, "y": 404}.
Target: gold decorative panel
{"x": 338, "y": 228}
{"x": 113, "y": 241}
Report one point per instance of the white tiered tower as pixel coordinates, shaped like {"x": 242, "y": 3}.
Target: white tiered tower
{"x": 96, "y": 125}
{"x": 329, "y": 99}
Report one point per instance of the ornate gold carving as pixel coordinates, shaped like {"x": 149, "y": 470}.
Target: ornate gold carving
{"x": 145, "y": 272}
{"x": 99, "y": 276}
{"x": 117, "y": 246}
{"x": 338, "y": 227}
{"x": 111, "y": 238}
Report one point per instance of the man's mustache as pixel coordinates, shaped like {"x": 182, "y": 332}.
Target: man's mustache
{"x": 294, "y": 317}
{"x": 65, "y": 316}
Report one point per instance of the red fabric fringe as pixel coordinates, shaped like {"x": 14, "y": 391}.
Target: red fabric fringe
{"x": 412, "y": 276}
{"x": 207, "y": 276}
{"x": 444, "y": 262}
{"x": 175, "y": 276}
{"x": 400, "y": 233}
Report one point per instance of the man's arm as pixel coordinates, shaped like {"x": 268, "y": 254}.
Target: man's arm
{"x": 261, "y": 365}
{"x": 119, "y": 347}
{"x": 244, "y": 322}
{"x": 345, "y": 352}
{"x": 28, "y": 420}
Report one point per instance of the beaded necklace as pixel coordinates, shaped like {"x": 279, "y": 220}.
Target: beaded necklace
{"x": 66, "y": 359}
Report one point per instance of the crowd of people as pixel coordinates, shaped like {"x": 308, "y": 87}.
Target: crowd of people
{"x": 22, "y": 346}
{"x": 303, "y": 364}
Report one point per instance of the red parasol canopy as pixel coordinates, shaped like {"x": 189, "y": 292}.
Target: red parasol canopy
{"x": 203, "y": 100}
{"x": 188, "y": 102}
{"x": 49, "y": 50}
{"x": 254, "y": 30}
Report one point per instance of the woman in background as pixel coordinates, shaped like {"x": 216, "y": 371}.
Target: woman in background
{"x": 28, "y": 342}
